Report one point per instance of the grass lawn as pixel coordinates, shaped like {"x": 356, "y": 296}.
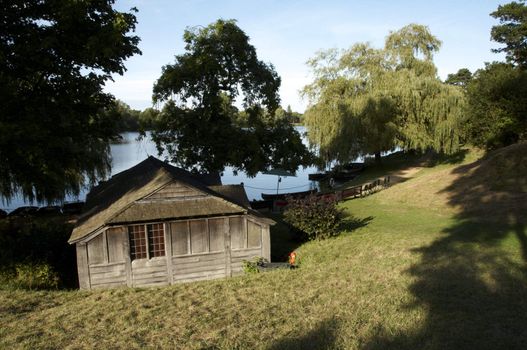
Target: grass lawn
{"x": 407, "y": 277}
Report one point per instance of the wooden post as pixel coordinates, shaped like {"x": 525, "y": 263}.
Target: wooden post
{"x": 168, "y": 251}
{"x": 266, "y": 242}
{"x": 105, "y": 247}
{"x": 244, "y": 233}
{"x": 189, "y": 245}
{"x": 127, "y": 258}
{"x": 227, "y": 244}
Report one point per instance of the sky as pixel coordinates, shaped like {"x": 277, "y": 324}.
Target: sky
{"x": 286, "y": 33}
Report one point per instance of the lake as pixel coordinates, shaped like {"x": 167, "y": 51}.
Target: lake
{"x": 132, "y": 151}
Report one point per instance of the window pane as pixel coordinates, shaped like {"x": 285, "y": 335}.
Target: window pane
{"x": 137, "y": 241}
{"x": 179, "y": 232}
{"x": 254, "y": 234}
{"x": 156, "y": 240}
{"x": 198, "y": 236}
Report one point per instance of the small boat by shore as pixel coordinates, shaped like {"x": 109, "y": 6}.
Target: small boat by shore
{"x": 282, "y": 196}
{"x": 317, "y": 176}
{"x": 342, "y": 173}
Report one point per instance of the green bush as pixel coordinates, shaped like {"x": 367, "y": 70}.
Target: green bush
{"x": 27, "y": 243}
{"x": 313, "y": 217}
{"x": 251, "y": 266}
{"x": 29, "y": 275}
{"x": 35, "y": 276}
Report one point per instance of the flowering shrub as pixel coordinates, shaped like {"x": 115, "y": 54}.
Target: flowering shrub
{"x": 314, "y": 217}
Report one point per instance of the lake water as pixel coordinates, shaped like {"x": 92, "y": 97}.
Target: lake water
{"x": 132, "y": 151}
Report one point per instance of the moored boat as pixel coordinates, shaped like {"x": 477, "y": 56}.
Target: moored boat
{"x": 281, "y": 196}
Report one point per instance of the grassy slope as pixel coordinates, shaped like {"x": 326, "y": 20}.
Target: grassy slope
{"x": 426, "y": 269}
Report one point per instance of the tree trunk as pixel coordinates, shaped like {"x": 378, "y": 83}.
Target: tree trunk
{"x": 377, "y": 157}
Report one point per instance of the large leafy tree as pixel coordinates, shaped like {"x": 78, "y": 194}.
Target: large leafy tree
{"x": 461, "y": 78}
{"x": 55, "y": 57}
{"x": 512, "y": 31}
{"x": 497, "y": 106}
{"x": 366, "y": 100}
{"x": 200, "y": 127}
{"x": 497, "y": 102}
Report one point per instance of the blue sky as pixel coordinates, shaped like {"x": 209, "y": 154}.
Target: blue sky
{"x": 287, "y": 33}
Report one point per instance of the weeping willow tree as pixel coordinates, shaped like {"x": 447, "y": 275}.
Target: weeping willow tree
{"x": 366, "y": 100}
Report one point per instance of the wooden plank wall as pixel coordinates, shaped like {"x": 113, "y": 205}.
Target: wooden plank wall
{"x": 175, "y": 190}
{"x": 111, "y": 275}
{"x": 149, "y": 272}
{"x": 238, "y": 256}
{"x": 106, "y": 261}
{"x": 204, "y": 258}
{"x": 198, "y": 267}
{"x": 82, "y": 266}
{"x": 195, "y": 249}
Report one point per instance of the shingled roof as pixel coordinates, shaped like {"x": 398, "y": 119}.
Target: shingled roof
{"x": 122, "y": 199}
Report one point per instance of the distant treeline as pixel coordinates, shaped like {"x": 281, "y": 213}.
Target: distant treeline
{"x": 128, "y": 119}
{"x": 292, "y": 117}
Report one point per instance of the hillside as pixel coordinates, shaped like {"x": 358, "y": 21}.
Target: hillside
{"x": 493, "y": 187}
{"x": 437, "y": 261}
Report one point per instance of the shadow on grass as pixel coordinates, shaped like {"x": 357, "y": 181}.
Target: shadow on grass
{"x": 472, "y": 282}
{"x": 401, "y": 161}
{"x": 323, "y": 336}
{"x": 19, "y": 309}
{"x": 351, "y": 223}
{"x": 455, "y": 158}
{"x": 283, "y": 240}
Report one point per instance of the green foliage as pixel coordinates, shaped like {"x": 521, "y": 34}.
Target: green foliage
{"x": 35, "y": 276}
{"x": 128, "y": 119}
{"x": 199, "y": 126}
{"x": 37, "y": 242}
{"x": 252, "y": 266}
{"x": 412, "y": 47}
{"x": 313, "y": 218}
{"x": 366, "y": 101}
{"x": 430, "y": 113}
{"x": 497, "y": 102}
{"x": 148, "y": 118}
{"x": 289, "y": 115}
{"x": 461, "y": 78}
{"x": 497, "y": 106}
{"x": 512, "y": 31}
{"x": 55, "y": 57}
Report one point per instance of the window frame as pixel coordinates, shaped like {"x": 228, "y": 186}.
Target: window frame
{"x": 147, "y": 241}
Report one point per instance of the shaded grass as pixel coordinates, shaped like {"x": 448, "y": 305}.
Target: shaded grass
{"x": 405, "y": 277}
{"x": 283, "y": 241}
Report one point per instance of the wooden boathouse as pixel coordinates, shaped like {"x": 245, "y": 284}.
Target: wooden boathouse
{"x": 155, "y": 224}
